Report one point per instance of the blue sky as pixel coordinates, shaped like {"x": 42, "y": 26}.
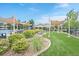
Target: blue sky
{"x": 40, "y": 12}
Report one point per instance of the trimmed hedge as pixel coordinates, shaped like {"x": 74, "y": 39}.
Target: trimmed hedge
{"x": 30, "y": 33}
{"x": 37, "y": 30}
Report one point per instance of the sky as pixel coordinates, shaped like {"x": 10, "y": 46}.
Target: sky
{"x": 40, "y": 12}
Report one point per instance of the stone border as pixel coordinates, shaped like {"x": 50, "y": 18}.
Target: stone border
{"x": 43, "y": 50}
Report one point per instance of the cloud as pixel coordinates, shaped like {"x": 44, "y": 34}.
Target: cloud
{"x": 62, "y": 5}
{"x": 45, "y": 19}
{"x": 42, "y": 19}
{"x": 22, "y": 4}
{"x": 59, "y": 18}
{"x": 33, "y": 9}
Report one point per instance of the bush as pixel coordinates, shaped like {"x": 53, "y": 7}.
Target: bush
{"x": 15, "y": 37}
{"x": 37, "y": 30}
{"x": 37, "y": 43}
{"x": 29, "y": 33}
{"x": 20, "y": 45}
{"x": 4, "y": 45}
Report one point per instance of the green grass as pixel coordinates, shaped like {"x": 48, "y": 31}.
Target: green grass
{"x": 62, "y": 45}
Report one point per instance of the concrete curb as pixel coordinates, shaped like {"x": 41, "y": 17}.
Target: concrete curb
{"x": 43, "y": 50}
{"x": 70, "y": 35}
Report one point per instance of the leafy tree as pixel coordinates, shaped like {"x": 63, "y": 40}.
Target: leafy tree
{"x": 72, "y": 16}
{"x": 31, "y": 22}
{"x": 77, "y": 25}
{"x": 10, "y": 27}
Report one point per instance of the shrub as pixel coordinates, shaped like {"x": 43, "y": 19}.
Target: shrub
{"x": 20, "y": 45}
{"x": 15, "y": 37}
{"x": 37, "y": 43}
{"x": 18, "y": 42}
{"x": 29, "y": 33}
{"x": 4, "y": 45}
{"x": 37, "y": 30}
{"x": 3, "y": 42}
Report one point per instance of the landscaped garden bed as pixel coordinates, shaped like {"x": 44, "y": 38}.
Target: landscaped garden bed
{"x": 30, "y": 51}
{"x": 28, "y": 43}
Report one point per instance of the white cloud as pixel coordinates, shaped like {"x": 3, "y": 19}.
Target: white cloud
{"x": 59, "y": 18}
{"x": 21, "y": 4}
{"x": 33, "y": 9}
{"x": 45, "y": 19}
{"x": 62, "y": 5}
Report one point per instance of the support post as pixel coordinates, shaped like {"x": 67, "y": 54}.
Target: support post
{"x": 69, "y": 28}
{"x": 49, "y": 27}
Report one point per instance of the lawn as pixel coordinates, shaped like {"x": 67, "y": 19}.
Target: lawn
{"x": 62, "y": 45}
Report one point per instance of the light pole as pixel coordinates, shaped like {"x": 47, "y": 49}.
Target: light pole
{"x": 61, "y": 27}
{"x": 49, "y": 27}
{"x": 58, "y": 28}
{"x": 14, "y": 28}
{"x": 14, "y": 24}
{"x": 68, "y": 27}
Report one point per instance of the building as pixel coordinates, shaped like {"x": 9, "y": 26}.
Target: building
{"x": 4, "y": 21}
{"x": 57, "y": 25}
{"x": 13, "y": 22}
{"x": 12, "y": 25}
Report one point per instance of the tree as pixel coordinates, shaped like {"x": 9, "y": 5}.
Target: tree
{"x": 9, "y": 26}
{"x": 72, "y": 16}
{"x": 77, "y": 25}
{"x": 31, "y": 22}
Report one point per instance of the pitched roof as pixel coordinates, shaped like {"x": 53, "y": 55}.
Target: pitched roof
{"x": 9, "y": 20}
{"x": 56, "y": 23}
